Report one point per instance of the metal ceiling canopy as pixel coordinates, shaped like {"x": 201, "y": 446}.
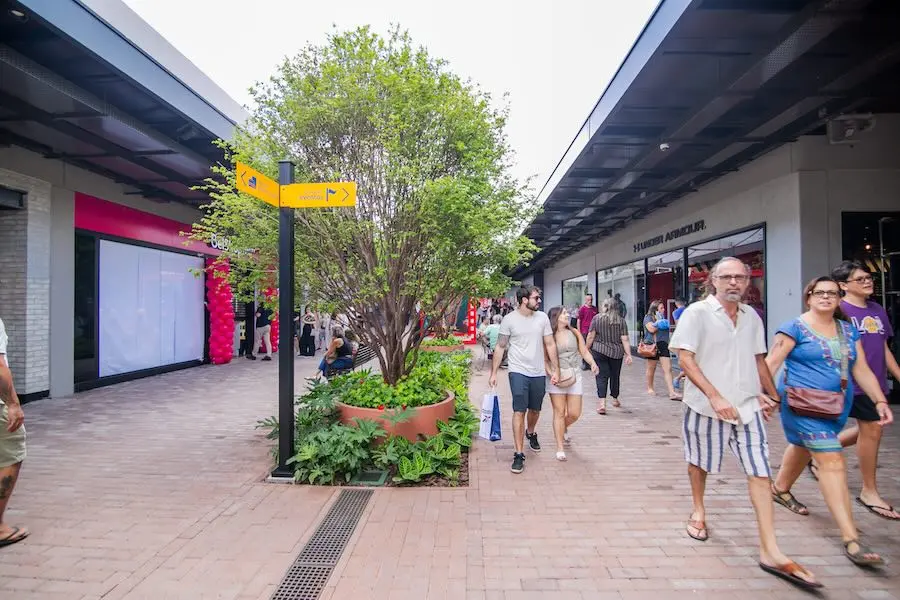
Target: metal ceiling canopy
{"x": 74, "y": 88}
{"x": 717, "y": 83}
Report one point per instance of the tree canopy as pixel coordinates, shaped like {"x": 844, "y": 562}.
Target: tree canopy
{"x": 438, "y": 214}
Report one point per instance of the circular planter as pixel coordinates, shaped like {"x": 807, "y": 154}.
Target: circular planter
{"x": 424, "y": 421}
{"x": 453, "y": 348}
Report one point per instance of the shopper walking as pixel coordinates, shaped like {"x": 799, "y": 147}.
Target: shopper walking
{"x": 609, "y": 344}
{"x": 567, "y": 394}
{"x": 820, "y": 350}
{"x": 12, "y": 444}
{"x": 527, "y": 334}
{"x": 874, "y": 327}
{"x": 656, "y": 331}
{"x": 586, "y": 314}
{"x": 262, "y": 332}
{"x": 721, "y": 347}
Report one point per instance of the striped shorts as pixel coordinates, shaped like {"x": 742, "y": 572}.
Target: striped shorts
{"x": 705, "y": 439}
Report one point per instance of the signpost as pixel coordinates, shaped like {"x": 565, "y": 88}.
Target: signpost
{"x": 286, "y": 196}
{"x": 319, "y": 195}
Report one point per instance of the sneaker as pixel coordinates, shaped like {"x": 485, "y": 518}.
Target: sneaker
{"x": 518, "y": 464}
{"x": 533, "y": 442}
{"x": 267, "y": 358}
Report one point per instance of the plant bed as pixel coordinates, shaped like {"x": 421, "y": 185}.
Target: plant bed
{"x": 355, "y": 423}
{"x": 446, "y": 344}
{"x": 421, "y": 422}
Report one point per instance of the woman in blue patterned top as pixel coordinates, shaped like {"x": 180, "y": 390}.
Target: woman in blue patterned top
{"x": 820, "y": 350}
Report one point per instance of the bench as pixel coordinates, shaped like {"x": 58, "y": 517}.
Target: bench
{"x": 361, "y": 356}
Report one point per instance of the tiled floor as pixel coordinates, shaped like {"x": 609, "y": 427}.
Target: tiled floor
{"x": 153, "y": 489}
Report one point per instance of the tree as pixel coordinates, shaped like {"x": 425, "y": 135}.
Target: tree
{"x": 438, "y": 215}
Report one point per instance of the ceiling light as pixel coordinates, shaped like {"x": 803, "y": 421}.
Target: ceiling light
{"x": 18, "y": 15}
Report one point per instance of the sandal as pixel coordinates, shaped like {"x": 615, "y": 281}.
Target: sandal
{"x": 700, "y": 526}
{"x": 813, "y": 469}
{"x": 790, "y": 572}
{"x": 601, "y": 410}
{"x": 787, "y": 500}
{"x": 616, "y": 402}
{"x": 859, "y": 557}
{"x": 874, "y": 508}
{"x": 16, "y": 535}
{"x": 561, "y": 456}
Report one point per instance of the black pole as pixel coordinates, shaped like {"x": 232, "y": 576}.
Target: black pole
{"x": 286, "y": 324}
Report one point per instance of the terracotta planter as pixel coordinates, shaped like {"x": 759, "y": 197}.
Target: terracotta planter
{"x": 423, "y": 422}
{"x": 442, "y": 348}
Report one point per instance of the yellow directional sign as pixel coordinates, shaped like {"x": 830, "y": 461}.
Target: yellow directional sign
{"x": 250, "y": 181}
{"x": 318, "y": 195}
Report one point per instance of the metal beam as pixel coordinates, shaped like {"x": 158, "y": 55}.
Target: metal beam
{"x": 45, "y": 118}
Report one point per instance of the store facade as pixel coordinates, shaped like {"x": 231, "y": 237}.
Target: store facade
{"x": 790, "y": 215}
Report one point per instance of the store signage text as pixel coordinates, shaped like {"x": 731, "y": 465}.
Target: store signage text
{"x": 671, "y": 235}
{"x": 219, "y": 242}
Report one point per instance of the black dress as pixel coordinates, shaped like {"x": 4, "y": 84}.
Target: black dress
{"x": 307, "y": 341}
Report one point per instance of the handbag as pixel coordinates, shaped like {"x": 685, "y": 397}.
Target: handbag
{"x": 821, "y": 404}
{"x": 567, "y": 378}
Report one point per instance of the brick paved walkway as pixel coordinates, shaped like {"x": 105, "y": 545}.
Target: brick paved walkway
{"x": 152, "y": 489}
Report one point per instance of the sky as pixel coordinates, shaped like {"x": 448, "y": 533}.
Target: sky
{"x": 552, "y": 59}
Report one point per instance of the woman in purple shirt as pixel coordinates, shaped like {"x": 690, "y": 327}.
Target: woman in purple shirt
{"x": 875, "y": 330}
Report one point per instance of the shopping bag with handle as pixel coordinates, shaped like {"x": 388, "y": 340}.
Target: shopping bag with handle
{"x": 490, "y": 417}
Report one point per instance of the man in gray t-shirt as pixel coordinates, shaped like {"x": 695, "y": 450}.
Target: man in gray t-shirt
{"x": 526, "y": 332}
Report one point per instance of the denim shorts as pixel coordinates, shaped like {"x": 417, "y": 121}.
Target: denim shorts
{"x": 527, "y": 392}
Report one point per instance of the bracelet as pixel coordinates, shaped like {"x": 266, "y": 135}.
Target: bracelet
{"x": 881, "y": 402}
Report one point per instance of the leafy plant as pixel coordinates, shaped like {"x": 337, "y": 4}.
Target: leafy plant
{"x": 389, "y": 453}
{"x": 338, "y": 452}
{"x": 414, "y": 469}
{"x": 441, "y": 342}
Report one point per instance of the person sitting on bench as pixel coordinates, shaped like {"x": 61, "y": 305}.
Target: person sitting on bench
{"x": 339, "y": 355}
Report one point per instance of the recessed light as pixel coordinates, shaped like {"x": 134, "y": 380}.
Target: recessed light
{"x": 18, "y": 15}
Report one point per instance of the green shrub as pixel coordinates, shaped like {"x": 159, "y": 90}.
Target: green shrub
{"x": 335, "y": 453}
{"x": 444, "y": 341}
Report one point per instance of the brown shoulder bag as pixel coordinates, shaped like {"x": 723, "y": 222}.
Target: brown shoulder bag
{"x": 820, "y": 404}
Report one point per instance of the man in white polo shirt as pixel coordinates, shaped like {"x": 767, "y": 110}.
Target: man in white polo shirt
{"x": 12, "y": 444}
{"x": 722, "y": 349}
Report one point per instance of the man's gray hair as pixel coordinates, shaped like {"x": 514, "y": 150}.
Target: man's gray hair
{"x": 610, "y": 307}
{"x": 496, "y": 319}
{"x": 728, "y": 259}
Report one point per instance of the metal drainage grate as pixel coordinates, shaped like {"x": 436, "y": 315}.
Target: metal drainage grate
{"x": 307, "y": 577}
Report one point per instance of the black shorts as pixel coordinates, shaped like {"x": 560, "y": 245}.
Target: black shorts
{"x": 527, "y": 392}
{"x": 662, "y": 349}
{"x": 863, "y": 409}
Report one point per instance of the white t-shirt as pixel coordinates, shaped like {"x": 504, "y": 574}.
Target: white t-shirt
{"x": 526, "y": 342}
{"x": 725, "y": 352}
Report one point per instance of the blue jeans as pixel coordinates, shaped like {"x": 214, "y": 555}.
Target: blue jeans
{"x": 344, "y": 362}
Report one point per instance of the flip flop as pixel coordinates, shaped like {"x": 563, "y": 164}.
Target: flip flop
{"x": 857, "y": 558}
{"x": 16, "y": 535}
{"x": 788, "y": 572}
{"x": 616, "y": 403}
{"x": 601, "y": 411}
{"x": 700, "y": 526}
{"x": 874, "y": 508}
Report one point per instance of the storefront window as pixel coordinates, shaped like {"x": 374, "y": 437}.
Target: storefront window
{"x": 748, "y": 246}
{"x": 85, "y": 307}
{"x": 573, "y": 293}
{"x": 626, "y": 284}
{"x": 665, "y": 274}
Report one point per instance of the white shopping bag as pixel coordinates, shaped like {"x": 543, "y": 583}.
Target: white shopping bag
{"x": 490, "y": 417}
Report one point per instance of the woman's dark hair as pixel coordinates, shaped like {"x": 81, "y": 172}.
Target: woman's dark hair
{"x": 553, "y": 315}
{"x": 810, "y": 288}
{"x": 842, "y": 272}
{"x": 651, "y": 310}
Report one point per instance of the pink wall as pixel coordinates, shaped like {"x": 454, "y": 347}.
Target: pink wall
{"x": 101, "y": 216}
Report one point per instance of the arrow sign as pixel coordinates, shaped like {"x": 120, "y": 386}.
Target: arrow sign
{"x": 250, "y": 181}
{"x": 319, "y": 195}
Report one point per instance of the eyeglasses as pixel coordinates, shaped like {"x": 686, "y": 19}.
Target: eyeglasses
{"x": 862, "y": 280}
{"x": 735, "y": 278}
{"x": 825, "y": 294}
